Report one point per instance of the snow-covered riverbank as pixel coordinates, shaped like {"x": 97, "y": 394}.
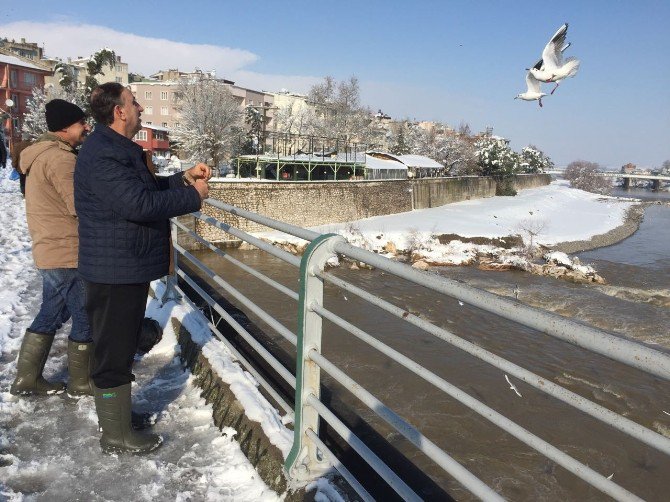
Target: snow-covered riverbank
{"x": 497, "y": 233}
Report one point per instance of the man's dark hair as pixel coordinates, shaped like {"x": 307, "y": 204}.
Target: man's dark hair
{"x": 103, "y": 100}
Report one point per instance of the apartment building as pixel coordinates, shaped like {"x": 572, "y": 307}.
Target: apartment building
{"x": 158, "y": 97}
{"x": 26, "y": 50}
{"x": 18, "y": 77}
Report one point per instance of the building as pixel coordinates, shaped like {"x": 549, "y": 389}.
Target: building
{"x": 77, "y": 68}
{"x": 18, "y": 78}
{"x": 159, "y": 102}
{"x": 26, "y": 50}
{"x": 159, "y": 97}
{"x": 154, "y": 139}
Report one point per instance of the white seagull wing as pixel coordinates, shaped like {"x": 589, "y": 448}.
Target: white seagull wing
{"x": 532, "y": 83}
{"x": 552, "y": 54}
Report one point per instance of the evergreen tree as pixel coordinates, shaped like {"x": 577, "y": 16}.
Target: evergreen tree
{"x": 533, "y": 160}
{"x": 497, "y": 159}
{"x": 254, "y": 120}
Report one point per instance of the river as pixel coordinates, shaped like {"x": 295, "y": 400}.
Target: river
{"x": 635, "y": 303}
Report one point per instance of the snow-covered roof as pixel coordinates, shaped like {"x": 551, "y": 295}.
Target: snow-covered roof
{"x": 155, "y": 127}
{"x": 13, "y": 60}
{"x": 376, "y": 163}
{"x": 415, "y": 161}
{"x": 419, "y": 161}
{"x": 341, "y": 158}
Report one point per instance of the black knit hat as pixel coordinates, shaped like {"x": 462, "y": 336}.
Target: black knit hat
{"x": 61, "y": 114}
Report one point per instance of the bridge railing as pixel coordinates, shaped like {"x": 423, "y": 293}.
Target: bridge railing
{"x": 309, "y": 456}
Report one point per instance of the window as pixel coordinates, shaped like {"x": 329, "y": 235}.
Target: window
{"x": 177, "y": 124}
{"x": 141, "y": 136}
{"x": 13, "y": 77}
{"x": 147, "y": 95}
{"x": 15, "y": 98}
{"x": 164, "y": 124}
{"x": 119, "y": 80}
{"x": 29, "y": 78}
{"x": 164, "y": 95}
{"x": 164, "y": 110}
{"x": 149, "y": 110}
{"x": 148, "y": 122}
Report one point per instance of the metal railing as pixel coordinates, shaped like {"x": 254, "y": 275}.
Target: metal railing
{"x": 309, "y": 457}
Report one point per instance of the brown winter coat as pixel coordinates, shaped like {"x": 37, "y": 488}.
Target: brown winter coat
{"x": 52, "y": 221}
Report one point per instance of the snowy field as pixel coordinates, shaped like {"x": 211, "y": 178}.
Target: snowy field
{"x": 552, "y": 214}
{"x": 49, "y": 446}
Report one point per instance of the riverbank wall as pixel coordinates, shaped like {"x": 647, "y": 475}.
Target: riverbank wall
{"x": 312, "y": 203}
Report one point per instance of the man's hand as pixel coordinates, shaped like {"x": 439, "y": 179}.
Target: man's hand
{"x": 202, "y": 187}
{"x": 200, "y": 172}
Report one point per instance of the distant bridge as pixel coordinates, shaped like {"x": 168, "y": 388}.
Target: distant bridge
{"x": 657, "y": 179}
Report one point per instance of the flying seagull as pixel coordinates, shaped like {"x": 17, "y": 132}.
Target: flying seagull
{"x": 553, "y": 67}
{"x": 533, "y": 90}
{"x": 513, "y": 387}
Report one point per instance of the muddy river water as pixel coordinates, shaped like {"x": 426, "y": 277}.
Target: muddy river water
{"x": 635, "y": 303}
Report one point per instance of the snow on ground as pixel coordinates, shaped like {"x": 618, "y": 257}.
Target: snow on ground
{"x": 49, "y": 445}
{"x": 552, "y": 214}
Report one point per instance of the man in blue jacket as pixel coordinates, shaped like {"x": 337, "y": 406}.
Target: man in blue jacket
{"x": 124, "y": 243}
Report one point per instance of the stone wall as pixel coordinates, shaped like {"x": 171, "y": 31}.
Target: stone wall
{"x": 440, "y": 191}
{"x": 307, "y": 204}
{"x": 524, "y": 181}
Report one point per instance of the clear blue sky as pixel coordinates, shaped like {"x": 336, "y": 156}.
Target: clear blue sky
{"x": 434, "y": 60}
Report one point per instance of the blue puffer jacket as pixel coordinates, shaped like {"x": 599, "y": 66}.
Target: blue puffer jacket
{"x": 123, "y": 211}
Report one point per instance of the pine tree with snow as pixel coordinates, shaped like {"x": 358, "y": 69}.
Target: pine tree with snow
{"x": 254, "y": 121}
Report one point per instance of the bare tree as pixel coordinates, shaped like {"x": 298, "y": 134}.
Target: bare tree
{"x": 338, "y": 110}
{"x": 586, "y": 176}
{"x": 210, "y": 120}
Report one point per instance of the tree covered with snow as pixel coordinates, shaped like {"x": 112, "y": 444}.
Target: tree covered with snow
{"x": 453, "y": 150}
{"x": 294, "y": 119}
{"x": 496, "y": 158}
{"x": 338, "y": 111}
{"x": 95, "y": 66}
{"x": 69, "y": 89}
{"x": 533, "y": 160}
{"x": 401, "y": 142}
{"x": 34, "y": 120}
{"x": 254, "y": 120}
{"x": 210, "y": 121}
{"x": 585, "y": 175}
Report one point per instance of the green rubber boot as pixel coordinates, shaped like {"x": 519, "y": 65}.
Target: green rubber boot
{"x": 79, "y": 365}
{"x": 32, "y": 358}
{"x": 114, "y": 417}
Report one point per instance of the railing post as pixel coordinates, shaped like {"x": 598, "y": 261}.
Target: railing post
{"x": 306, "y": 462}
{"x": 171, "y": 293}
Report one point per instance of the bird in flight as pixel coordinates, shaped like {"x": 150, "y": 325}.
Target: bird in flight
{"x": 552, "y": 67}
{"x": 533, "y": 91}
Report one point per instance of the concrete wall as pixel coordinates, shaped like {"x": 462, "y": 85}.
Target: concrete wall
{"x": 440, "y": 191}
{"x": 316, "y": 203}
{"x": 524, "y": 181}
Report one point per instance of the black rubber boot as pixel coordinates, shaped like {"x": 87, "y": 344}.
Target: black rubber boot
{"x": 118, "y": 436}
{"x": 79, "y": 365}
{"x": 32, "y": 358}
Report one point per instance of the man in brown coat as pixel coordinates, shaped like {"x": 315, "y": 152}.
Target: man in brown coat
{"x": 52, "y": 221}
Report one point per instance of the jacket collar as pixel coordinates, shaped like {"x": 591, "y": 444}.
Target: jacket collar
{"x": 49, "y": 136}
{"x": 117, "y": 138}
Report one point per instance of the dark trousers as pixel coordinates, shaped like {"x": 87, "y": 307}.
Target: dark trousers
{"x": 115, "y": 313}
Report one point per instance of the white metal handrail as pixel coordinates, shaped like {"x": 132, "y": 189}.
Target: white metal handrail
{"x": 308, "y": 450}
